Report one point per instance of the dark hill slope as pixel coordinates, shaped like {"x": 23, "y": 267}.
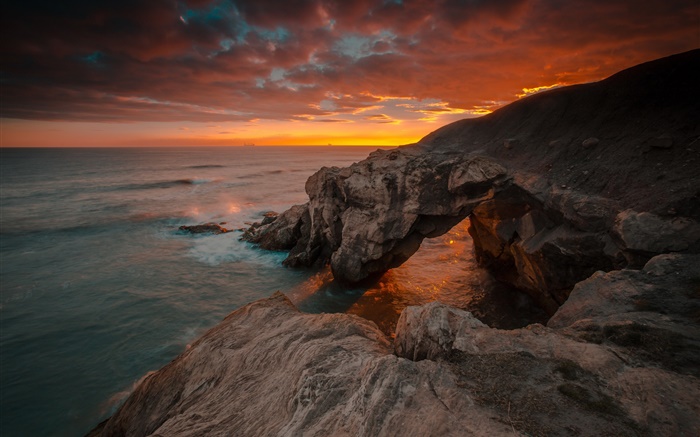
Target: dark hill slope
{"x": 646, "y": 118}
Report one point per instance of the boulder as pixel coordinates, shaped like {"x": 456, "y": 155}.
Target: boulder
{"x": 643, "y": 235}
{"x": 277, "y": 232}
{"x": 429, "y": 331}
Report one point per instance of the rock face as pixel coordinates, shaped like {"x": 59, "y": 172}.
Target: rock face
{"x": 557, "y": 185}
{"x": 621, "y": 357}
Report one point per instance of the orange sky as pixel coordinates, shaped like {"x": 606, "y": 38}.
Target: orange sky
{"x": 305, "y": 72}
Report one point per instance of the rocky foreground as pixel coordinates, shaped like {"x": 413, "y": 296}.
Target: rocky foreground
{"x": 586, "y": 197}
{"x": 620, "y": 358}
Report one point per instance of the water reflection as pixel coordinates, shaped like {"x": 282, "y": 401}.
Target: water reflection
{"x": 444, "y": 269}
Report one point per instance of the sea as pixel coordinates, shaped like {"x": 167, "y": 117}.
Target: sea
{"x": 99, "y": 287}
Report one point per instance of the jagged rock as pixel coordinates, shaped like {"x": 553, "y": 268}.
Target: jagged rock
{"x": 278, "y": 232}
{"x": 269, "y": 217}
{"x": 625, "y": 343}
{"x": 621, "y": 357}
{"x": 643, "y": 234}
{"x": 668, "y": 283}
{"x": 206, "y": 228}
{"x": 474, "y": 173}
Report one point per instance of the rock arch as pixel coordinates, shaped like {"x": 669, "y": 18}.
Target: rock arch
{"x": 372, "y": 216}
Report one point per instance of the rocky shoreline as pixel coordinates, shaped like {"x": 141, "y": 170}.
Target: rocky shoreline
{"x": 621, "y": 357}
{"x": 585, "y": 197}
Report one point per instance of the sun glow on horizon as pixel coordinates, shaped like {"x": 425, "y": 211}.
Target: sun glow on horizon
{"x": 355, "y": 73}
{"x": 29, "y": 133}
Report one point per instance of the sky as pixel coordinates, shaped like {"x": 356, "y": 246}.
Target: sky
{"x": 304, "y": 72}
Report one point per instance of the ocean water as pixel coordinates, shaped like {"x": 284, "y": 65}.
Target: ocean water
{"x": 98, "y": 287}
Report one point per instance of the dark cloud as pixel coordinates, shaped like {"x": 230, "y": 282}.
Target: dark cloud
{"x": 273, "y": 13}
{"x": 228, "y": 60}
{"x": 379, "y": 118}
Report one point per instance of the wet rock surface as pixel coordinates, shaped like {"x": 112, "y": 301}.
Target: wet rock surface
{"x": 597, "y": 369}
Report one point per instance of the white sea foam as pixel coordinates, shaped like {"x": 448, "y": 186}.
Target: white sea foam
{"x": 220, "y": 249}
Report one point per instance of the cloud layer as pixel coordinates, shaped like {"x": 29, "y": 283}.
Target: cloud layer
{"x": 379, "y": 62}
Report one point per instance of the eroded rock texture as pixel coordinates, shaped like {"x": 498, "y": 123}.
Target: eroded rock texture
{"x": 621, "y": 357}
{"x": 269, "y": 370}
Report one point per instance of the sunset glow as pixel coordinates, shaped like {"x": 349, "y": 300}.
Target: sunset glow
{"x": 316, "y": 72}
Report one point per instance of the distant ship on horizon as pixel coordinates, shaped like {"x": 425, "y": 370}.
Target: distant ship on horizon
{"x": 248, "y": 144}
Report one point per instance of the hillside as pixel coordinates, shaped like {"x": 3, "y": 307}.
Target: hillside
{"x": 645, "y": 117}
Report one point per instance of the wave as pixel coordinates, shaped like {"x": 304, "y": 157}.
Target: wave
{"x": 226, "y": 248}
{"x": 207, "y": 166}
{"x": 263, "y": 174}
{"x": 194, "y": 181}
{"x": 162, "y": 184}
{"x": 103, "y": 225}
{"x": 251, "y": 176}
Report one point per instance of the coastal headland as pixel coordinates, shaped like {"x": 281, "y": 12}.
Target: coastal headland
{"x": 586, "y": 197}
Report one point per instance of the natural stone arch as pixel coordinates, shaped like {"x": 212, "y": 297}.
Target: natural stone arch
{"x": 372, "y": 216}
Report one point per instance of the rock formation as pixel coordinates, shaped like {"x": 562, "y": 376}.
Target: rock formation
{"x": 206, "y": 228}
{"x": 621, "y": 357}
{"x": 557, "y": 185}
